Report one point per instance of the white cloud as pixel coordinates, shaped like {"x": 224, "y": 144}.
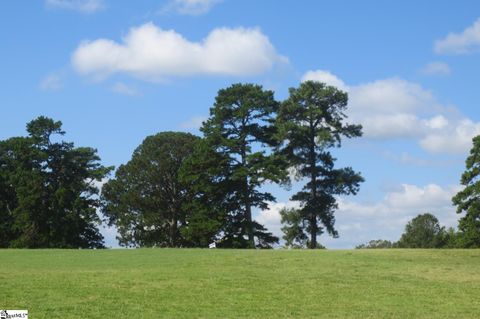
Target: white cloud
{"x": 436, "y": 68}
{"x": 420, "y": 199}
{"x": 325, "y": 77}
{"x": 51, "y": 82}
{"x": 454, "y": 139}
{"x": 396, "y": 108}
{"x": 386, "y": 219}
{"x": 193, "y": 123}
{"x": 386, "y": 126}
{"x": 154, "y": 54}
{"x": 390, "y": 96}
{"x": 466, "y": 41}
{"x": 84, "y": 6}
{"x": 271, "y": 218}
{"x": 189, "y": 7}
{"x": 124, "y": 89}
{"x": 437, "y": 122}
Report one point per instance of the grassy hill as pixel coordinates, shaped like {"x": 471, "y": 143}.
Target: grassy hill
{"x": 187, "y": 283}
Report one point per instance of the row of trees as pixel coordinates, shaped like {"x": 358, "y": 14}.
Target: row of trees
{"x": 178, "y": 189}
{"x": 181, "y": 190}
{"x": 424, "y": 231}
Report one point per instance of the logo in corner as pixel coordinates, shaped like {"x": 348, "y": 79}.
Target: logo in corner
{"x": 13, "y": 314}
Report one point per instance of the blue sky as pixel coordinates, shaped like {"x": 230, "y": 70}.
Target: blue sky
{"x": 116, "y": 71}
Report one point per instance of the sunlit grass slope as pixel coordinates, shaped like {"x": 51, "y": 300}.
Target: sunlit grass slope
{"x": 184, "y": 283}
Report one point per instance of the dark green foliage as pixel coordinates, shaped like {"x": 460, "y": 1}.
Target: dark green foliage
{"x": 48, "y": 196}
{"x": 423, "y": 231}
{"x": 205, "y": 173}
{"x": 311, "y": 122}
{"x": 240, "y": 131}
{"x": 293, "y": 228}
{"x": 468, "y": 200}
{"x": 452, "y": 239}
{"x": 376, "y": 244}
{"x": 146, "y": 199}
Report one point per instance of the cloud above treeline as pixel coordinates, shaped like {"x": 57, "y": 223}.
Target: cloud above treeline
{"x": 395, "y": 108}
{"x": 359, "y": 222}
{"x": 154, "y": 54}
{"x": 467, "y": 41}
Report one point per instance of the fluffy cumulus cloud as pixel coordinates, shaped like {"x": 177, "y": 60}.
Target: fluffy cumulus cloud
{"x": 387, "y": 218}
{"x": 466, "y": 41}
{"x": 84, "y": 6}
{"x": 189, "y": 7}
{"x": 359, "y": 222}
{"x": 456, "y": 138}
{"x": 396, "y": 108}
{"x": 325, "y": 77}
{"x": 436, "y": 68}
{"x": 154, "y": 54}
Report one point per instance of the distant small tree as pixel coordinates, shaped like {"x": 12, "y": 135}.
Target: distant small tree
{"x": 423, "y": 231}
{"x": 376, "y": 244}
{"x": 468, "y": 200}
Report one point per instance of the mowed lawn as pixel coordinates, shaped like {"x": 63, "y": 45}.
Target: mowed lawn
{"x": 201, "y": 283}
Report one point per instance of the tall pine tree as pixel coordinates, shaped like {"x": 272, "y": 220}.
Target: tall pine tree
{"x": 310, "y": 123}
{"x": 240, "y": 129}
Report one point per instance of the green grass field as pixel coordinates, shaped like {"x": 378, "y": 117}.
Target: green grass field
{"x": 188, "y": 283}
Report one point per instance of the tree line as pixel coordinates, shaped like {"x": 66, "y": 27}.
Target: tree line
{"x": 425, "y": 231}
{"x": 182, "y": 190}
{"x": 179, "y": 190}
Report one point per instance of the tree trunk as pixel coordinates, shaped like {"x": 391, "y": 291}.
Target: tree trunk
{"x": 313, "y": 176}
{"x": 248, "y": 213}
{"x": 246, "y": 196}
{"x": 173, "y": 233}
{"x": 313, "y": 232}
